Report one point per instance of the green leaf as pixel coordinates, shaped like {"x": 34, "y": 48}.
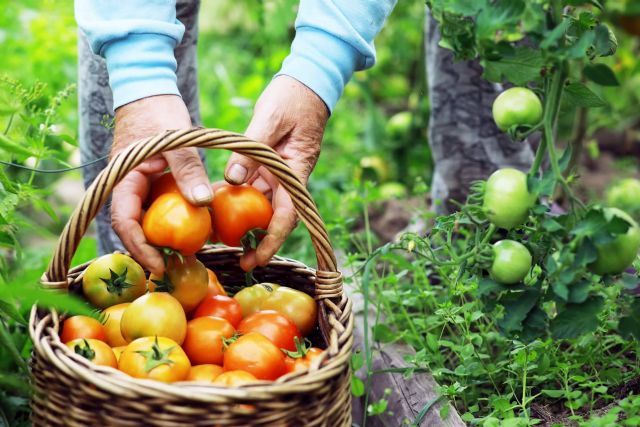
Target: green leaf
{"x": 551, "y": 225}
{"x": 579, "y": 292}
{"x": 357, "y": 361}
{"x": 629, "y": 327}
{"x": 516, "y": 307}
{"x": 13, "y": 147}
{"x": 577, "y": 319}
{"x": 357, "y": 386}
{"x": 498, "y": 15}
{"x": 605, "y": 42}
{"x": 521, "y": 67}
{"x": 601, "y": 74}
{"x": 554, "y": 394}
{"x": 488, "y": 286}
{"x": 551, "y": 39}
{"x": 383, "y": 333}
{"x": 579, "y": 48}
{"x": 586, "y": 253}
{"x": 535, "y": 324}
{"x": 579, "y": 95}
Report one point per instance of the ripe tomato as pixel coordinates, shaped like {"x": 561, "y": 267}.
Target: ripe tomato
{"x": 215, "y": 287}
{"x": 517, "y": 106}
{"x": 301, "y": 363}
{"x": 165, "y": 183}
{"x": 156, "y": 358}
{"x": 154, "y": 314}
{"x": 112, "y": 316}
{"x": 113, "y": 279}
{"x": 257, "y": 355}
{"x": 511, "y": 263}
{"x": 234, "y": 378}
{"x": 278, "y": 328}
{"x": 203, "y": 343}
{"x": 297, "y": 306}
{"x": 82, "y": 327}
{"x": 172, "y": 222}
{"x": 506, "y": 199}
{"x": 618, "y": 254}
{"x": 95, "y": 351}
{"x": 186, "y": 280}
{"x": 220, "y": 306}
{"x": 238, "y": 209}
{"x": 250, "y": 298}
{"x": 204, "y": 373}
{"x": 118, "y": 351}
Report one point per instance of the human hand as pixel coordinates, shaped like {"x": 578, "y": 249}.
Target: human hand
{"x": 142, "y": 119}
{"x": 290, "y": 118}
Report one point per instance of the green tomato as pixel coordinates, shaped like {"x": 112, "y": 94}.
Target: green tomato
{"x": 617, "y": 255}
{"x": 511, "y": 262}
{"x": 506, "y": 198}
{"x": 113, "y": 279}
{"x": 517, "y": 106}
{"x": 625, "y": 195}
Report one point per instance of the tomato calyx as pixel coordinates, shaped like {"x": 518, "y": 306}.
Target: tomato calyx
{"x": 252, "y": 238}
{"x": 117, "y": 283}
{"x": 226, "y": 342}
{"x": 302, "y": 348}
{"x": 156, "y": 356}
{"x": 168, "y": 253}
{"x": 164, "y": 284}
{"x": 85, "y": 350}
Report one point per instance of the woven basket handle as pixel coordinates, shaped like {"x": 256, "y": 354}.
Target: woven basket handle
{"x": 132, "y": 156}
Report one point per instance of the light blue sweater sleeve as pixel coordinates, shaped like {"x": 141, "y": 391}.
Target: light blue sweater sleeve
{"x": 136, "y": 38}
{"x": 333, "y": 39}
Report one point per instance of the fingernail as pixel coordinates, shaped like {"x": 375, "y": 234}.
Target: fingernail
{"x": 237, "y": 174}
{"x": 202, "y": 193}
{"x": 261, "y": 185}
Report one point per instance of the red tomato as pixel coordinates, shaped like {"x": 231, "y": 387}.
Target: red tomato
{"x": 82, "y": 327}
{"x": 215, "y": 287}
{"x": 237, "y": 209}
{"x": 257, "y": 355}
{"x": 301, "y": 363}
{"x": 278, "y": 328}
{"x": 203, "y": 343}
{"x": 220, "y": 306}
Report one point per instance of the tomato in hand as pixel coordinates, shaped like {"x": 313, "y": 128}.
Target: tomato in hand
{"x": 234, "y": 378}
{"x": 511, "y": 263}
{"x": 506, "y": 198}
{"x": 251, "y": 298}
{"x": 238, "y": 209}
{"x": 215, "y": 287}
{"x": 154, "y": 314}
{"x": 185, "y": 278}
{"x": 517, "y": 106}
{"x": 204, "y": 341}
{"x": 165, "y": 183}
{"x": 172, "y": 222}
{"x": 220, "y": 306}
{"x": 204, "y": 373}
{"x": 296, "y": 305}
{"x": 278, "y": 328}
{"x": 257, "y": 355}
{"x": 113, "y": 279}
{"x": 112, "y": 316}
{"x": 617, "y": 255}
{"x": 95, "y": 351}
{"x": 82, "y": 327}
{"x": 156, "y": 358}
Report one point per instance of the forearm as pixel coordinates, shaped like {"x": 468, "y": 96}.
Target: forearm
{"x": 137, "y": 39}
{"x": 334, "y": 39}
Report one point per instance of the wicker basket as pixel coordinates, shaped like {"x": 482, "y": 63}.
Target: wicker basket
{"x": 69, "y": 391}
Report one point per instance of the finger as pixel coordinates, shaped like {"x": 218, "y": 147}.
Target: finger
{"x": 156, "y": 164}
{"x": 248, "y": 260}
{"x": 126, "y": 212}
{"x": 190, "y": 175}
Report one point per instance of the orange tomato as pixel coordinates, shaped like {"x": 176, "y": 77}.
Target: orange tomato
{"x": 257, "y": 355}
{"x": 82, "y": 327}
{"x": 118, "y": 351}
{"x": 220, "y": 306}
{"x": 112, "y": 316}
{"x": 301, "y": 308}
{"x": 234, "y": 378}
{"x": 156, "y": 358}
{"x": 278, "y": 328}
{"x": 204, "y": 373}
{"x": 185, "y": 279}
{"x": 301, "y": 363}
{"x": 172, "y": 222}
{"x": 154, "y": 314}
{"x": 203, "y": 343}
{"x": 237, "y": 209}
{"x": 95, "y": 351}
{"x": 215, "y": 287}
{"x": 165, "y": 183}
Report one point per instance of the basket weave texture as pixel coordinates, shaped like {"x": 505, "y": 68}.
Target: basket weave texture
{"x": 70, "y": 391}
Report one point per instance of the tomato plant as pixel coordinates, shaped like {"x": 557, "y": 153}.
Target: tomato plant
{"x": 156, "y": 358}
{"x": 220, "y": 306}
{"x": 257, "y": 355}
{"x": 511, "y": 262}
{"x": 172, "y": 222}
{"x": 185, "y": 278}
{"x": 112, "y": 317}
{"x": 277, "y": 327}
{"x": 506, "y": 198}
{"x": 95, "y": 351}
{"x": 113, "y": 279}
{"x": 617, "y": 254}
{"x": 82, "y": 327}
{"x": 154, "y": 314}
{"x": 238, "y": 209}
{"x": 517, "y": 107}
{"x": 204, "y": 342}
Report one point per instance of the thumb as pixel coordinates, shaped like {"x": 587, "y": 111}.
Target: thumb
{"x": 263, "y": 128}
{"x": 189, "y": 173}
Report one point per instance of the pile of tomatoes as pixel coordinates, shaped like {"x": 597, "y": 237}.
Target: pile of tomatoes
{"x": 183, "y": 326}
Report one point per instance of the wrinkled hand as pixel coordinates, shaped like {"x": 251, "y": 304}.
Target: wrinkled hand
{"x": 142, "y": 119}
{"x": 291, "y": 118}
